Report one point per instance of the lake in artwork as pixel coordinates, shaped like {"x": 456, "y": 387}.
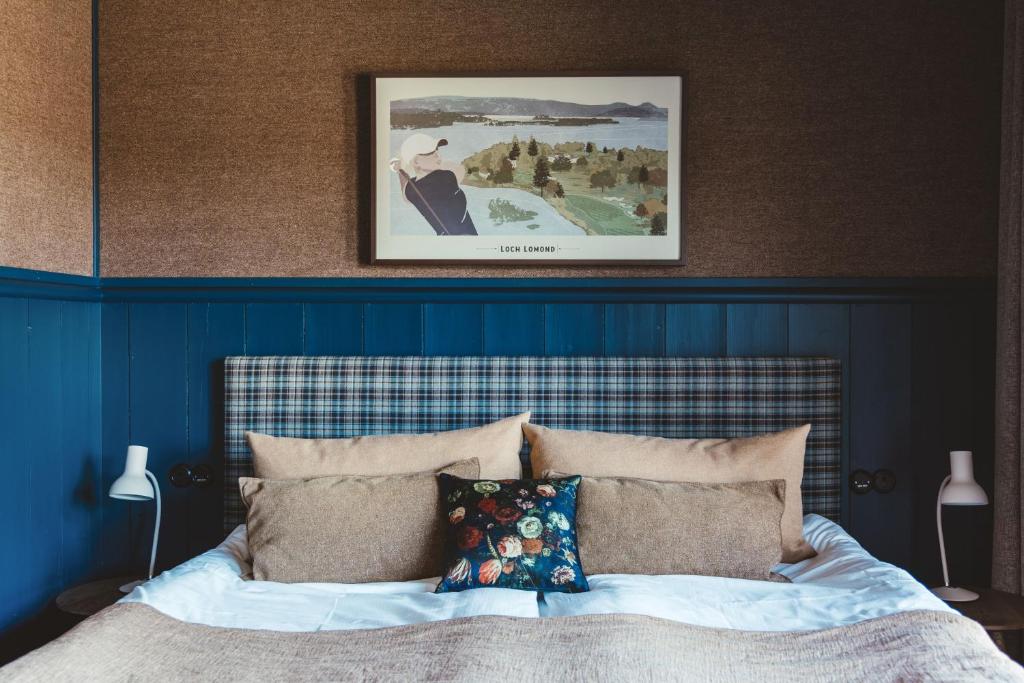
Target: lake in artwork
{"x": 536, "y": 167}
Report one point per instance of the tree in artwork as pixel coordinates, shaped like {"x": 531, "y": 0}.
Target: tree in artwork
{"x": 659, "y": 223}
{"x": 503, "y": 174}
{"x": 541, "y": 174}
{"x": 657, "y": 177}
{"x": 602, "y": 179}
{"x": 561, "y": 163}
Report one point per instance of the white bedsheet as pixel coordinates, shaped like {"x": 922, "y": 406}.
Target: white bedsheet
{"x": 842, "y": 585}
{"x": 213, "y": 589}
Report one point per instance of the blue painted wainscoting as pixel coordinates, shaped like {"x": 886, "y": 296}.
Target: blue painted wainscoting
{"x": 51, "y": 506}
{"x": 917, "y": 358}
{"x": 88, "y": 367}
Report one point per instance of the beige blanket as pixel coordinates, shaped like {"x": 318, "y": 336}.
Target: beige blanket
{"x": 135, "y": 642}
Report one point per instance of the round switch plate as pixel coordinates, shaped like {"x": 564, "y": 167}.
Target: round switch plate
{"x": 202, "y": 476}
{"x": 861, "y": 481}
{"x": 884, "y": 481}
{"x": 181, "y": 475}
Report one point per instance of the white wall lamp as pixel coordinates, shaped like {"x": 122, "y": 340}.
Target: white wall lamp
{"x": 138, "y": 484}
{"x": 959, "y": 488}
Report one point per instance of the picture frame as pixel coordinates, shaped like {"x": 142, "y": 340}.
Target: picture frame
{"x": 524, "y": 168}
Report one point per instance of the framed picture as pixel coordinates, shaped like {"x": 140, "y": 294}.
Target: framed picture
{"x": 566, "y": 169}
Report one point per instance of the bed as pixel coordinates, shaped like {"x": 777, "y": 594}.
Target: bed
{"x": 842, "y": 615}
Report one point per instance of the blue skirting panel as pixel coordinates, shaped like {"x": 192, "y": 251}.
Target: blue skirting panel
{"x": 900, "y": 385}
{"x": 87, "y": 367}
{"x": 51, "y": 495}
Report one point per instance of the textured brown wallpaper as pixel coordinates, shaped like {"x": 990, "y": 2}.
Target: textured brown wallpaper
{"x": 847, "y": 138}
{"x": 46, "y": 135}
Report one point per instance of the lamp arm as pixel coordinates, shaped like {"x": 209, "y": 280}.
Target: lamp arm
{"x": 156, "y": 526}
{"x": 938, "y": 524}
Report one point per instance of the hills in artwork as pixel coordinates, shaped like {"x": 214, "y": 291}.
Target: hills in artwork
{"x": 523, "y": 106}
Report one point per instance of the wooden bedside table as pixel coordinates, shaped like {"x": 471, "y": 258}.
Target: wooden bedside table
{"x": 89, "y": 598}
{"x": 995, "y": 610}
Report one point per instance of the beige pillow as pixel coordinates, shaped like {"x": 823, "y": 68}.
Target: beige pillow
{"x": 641, "y": 526}
{"x": 348, "y": 529}
{"x": 496, "y": 445}
{"x": 718, "y": 461}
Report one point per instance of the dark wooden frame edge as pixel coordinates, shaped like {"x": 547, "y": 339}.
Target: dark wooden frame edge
{"x": 371, "y": 162}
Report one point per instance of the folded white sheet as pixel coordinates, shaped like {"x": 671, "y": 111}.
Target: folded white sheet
{"x": 211, "y": 589}
{"x": 842, "y": 585}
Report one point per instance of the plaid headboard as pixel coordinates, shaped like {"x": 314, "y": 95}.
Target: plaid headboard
{"x": 323, "y": 397}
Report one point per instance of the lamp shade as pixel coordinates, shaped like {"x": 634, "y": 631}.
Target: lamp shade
{"x": 133, "y": 484}
{"x": 962, "y": 489}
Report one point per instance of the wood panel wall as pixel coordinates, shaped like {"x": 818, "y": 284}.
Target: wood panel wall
{"x": 85, "y": 371}
{"x": 52, "y": 496}
{"x": 917, "y": 383}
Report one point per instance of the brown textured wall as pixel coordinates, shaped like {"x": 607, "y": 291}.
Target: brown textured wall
{"x": 46, "y": 135}
{"x": 847, "y": 138}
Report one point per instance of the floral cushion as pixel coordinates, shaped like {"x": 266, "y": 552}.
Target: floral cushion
{"x": 512, "y": 533}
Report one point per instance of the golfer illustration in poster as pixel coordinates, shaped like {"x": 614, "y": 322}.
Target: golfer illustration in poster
{"x": 431, "y": 184}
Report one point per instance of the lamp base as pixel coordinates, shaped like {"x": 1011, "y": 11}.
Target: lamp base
{"x": 130, "y": 586}
{"x": 954, "y": 594}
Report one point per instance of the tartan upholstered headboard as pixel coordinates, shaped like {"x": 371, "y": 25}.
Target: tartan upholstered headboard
{"x": 344, "y": 396}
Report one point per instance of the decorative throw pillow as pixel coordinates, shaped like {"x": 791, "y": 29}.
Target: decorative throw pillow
{"x": 639, "y": 526}
{"x": 348, "y": 529}
{"x": 710, "y": 461}
{"x": 496, "y": 445}
{"x": 512, "y": 533}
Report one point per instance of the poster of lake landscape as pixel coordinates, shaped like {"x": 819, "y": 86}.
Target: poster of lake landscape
{"x": 529, "y": 169}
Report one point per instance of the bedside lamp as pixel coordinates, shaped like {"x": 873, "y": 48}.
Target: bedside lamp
{"x": 134, "y": 485}
{"x": 959, "y": 488}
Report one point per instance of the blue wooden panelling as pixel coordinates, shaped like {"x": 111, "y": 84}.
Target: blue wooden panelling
{"x": 574, "y": 329}
{"x": 116, "y": 417}
{"x": 824, "y": 330}
{"x": 917, "y": 358}
{"x": 273, "y": 329}
{"x": 333, "y": 330}
{"x": 81, "y": 447}
{"x": 542, "y": 290}
{"x": 393, "y": 329}
{"x": 757, "y": 329}
{"x": 17, "y": 590}
{"x": 96, "y": 418}
{"x": 214, "y": 331}
{"x": 944, "y": 412}
{"x": 50, "y": 450}
{"x": 35, "y": 284}
{"x": 453, "y": 329}
{"x": 695, "y": 330}
{"x": 634, "y": 330}
{"x": 45, "y": 457}
{"x": 982, "y": 351}
{"x": 513, "y": 329}
{"x": 637, "y": 329}
{"x": 158, "y": 336}
{"x": 880, "y": 426}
